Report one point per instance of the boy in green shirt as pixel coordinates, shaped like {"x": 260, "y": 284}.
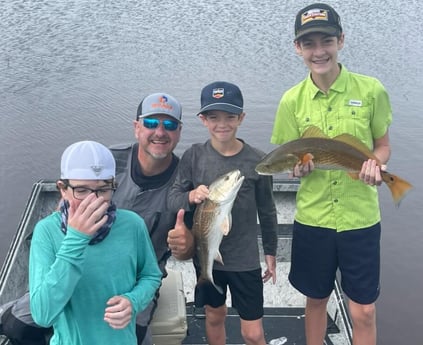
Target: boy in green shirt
{"x": 337, "y": 223}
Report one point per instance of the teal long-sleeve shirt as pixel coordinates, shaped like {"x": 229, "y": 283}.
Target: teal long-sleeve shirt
{"x": 71, "y": 281}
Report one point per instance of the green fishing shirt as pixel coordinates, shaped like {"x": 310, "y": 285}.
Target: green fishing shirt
{"x": 354, "y": 104}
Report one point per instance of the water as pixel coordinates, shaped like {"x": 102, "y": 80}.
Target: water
{"x": 77, "y": 69}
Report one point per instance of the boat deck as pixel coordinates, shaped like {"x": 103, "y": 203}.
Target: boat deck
{"x": 284, "y": 306}
{"x": 283, "y": 319}
{"x": 281, "y": 325}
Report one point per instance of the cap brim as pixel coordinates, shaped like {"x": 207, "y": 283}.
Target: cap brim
{"x": 332, "y": 31}
{"x": 158, "y": 113}
{"x": 229, "y": 108}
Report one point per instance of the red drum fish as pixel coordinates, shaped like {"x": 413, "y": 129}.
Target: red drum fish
{"x": 212, "y": 221}
{"x": 343, "y": 152}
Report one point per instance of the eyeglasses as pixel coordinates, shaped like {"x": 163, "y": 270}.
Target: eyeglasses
{"x": 152, "y": 123}
{"x": 80, "y": 193}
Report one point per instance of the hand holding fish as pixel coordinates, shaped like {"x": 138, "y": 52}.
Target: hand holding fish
{"x": 271, "y": 269}
{"x": 180, "y": 239}
{"x": 302, "y": 169}
{"x": 118, "y": 314}
{"x": 198, "y": 195}
{"x": 371, "y": 173}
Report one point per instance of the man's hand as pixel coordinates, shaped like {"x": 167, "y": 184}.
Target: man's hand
{"x": 180, "y": 239}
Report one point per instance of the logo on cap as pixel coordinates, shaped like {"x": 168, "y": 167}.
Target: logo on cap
{"x": 96, "y": 169}
{"x": 314, "y": 14}
{"x": 162, "y": 104}
{"x": 218, "y": 93}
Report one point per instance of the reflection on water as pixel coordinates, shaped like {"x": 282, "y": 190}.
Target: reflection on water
{"x": 77, "y": 69}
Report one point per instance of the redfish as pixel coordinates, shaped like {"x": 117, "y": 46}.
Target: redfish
{"x": 343, "y": 152}
{"x": 212, "y": 221}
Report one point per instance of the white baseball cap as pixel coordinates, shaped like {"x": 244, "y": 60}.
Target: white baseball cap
{"x": 87, "y": 160}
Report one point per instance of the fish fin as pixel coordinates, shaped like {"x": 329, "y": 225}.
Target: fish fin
{"x": 398, "y": 186}
{"x": 313, "y": 132}
{"x": 316, "y": 132}
{"x": 218, "y": 258}
{"x": 357, "y": 144}
{"x": 218, "y": 288}
{"x": 225, "y": 227}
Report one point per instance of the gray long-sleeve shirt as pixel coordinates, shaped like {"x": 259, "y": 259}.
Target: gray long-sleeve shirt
{"x": 202, "y": 164}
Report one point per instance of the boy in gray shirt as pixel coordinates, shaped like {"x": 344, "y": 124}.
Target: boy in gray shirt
{"x": 222, "y": 112}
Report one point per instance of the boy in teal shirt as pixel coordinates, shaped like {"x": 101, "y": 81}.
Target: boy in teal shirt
{"x": 92, "y": 267}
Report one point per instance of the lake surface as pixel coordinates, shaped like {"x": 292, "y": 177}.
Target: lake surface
{"x": 77, "y": 69}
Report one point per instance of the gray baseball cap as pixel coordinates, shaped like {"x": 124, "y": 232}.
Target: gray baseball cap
{"x": 160, "y": 103}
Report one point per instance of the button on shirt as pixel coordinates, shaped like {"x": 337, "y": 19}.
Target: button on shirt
{"x": 354, "y": 104}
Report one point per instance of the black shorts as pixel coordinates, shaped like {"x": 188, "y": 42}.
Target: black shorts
{"x": 317, "y": 253}
{"x": 246, "y": 293}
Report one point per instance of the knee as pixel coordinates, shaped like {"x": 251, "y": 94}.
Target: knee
{"x": 252, "y": 335}
{"x": 215, "y": 316}
{"x": 363, "y": 314}
{"x": 316, "y": 303}
{"x": 252, "y": 331}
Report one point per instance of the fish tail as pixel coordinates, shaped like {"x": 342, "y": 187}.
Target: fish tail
{"x": 398, "y": 186}
{"x": 203, "y": 289}
{"x": 218, "y": 288}
{"x": 205, "y": 284}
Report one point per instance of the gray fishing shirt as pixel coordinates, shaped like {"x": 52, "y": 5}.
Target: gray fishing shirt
{"x": 202, "y": 164}
{"x": 149, "y": 203}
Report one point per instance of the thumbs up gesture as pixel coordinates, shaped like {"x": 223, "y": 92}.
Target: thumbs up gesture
{"x": 180, "y": 239}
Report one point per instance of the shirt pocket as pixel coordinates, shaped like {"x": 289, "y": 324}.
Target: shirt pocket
{"x": 354, "y": 117}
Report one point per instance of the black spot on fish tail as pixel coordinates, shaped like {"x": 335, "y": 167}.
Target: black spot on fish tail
{"x": 398, "y": 186}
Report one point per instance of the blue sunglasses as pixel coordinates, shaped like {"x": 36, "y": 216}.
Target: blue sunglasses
{"x": 152, "y": 123}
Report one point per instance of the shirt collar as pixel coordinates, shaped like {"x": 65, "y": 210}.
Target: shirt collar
{"x": 339, "y": 85}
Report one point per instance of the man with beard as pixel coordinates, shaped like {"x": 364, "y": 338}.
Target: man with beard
{"x": 145, "y": 172}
